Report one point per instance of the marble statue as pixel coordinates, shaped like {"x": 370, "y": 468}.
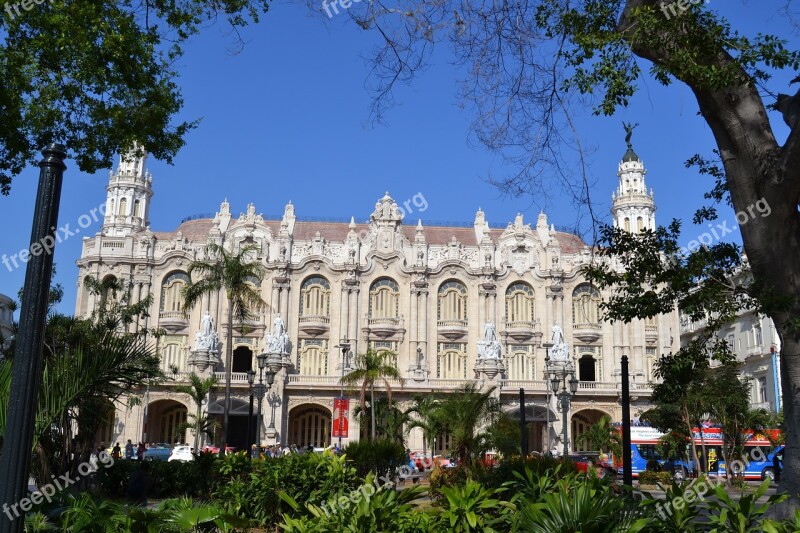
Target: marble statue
{"x": 206, "y": 339}
{"x": 560, "y": 350}
{"x": 278, "y": 340}
{"x": 489, "y": 347}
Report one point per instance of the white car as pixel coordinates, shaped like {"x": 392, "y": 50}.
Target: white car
{"x": 181, "y": 453}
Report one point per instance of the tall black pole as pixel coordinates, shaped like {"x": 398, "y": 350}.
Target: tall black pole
{"x": 250, "y": 426}
{"x": 627, "y": 472}
{"x": 523, "y": 424}
{"x": 26, "y": 373}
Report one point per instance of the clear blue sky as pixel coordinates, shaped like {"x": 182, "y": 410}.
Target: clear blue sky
{"x": 285, "y": 120}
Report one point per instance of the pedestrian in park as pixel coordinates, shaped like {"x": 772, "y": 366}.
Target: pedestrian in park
{"x": 129, "y": 450}
{"x": 140, "y": 451}
{"x": 116, "y": 452}
{"x": 776, "y": 466}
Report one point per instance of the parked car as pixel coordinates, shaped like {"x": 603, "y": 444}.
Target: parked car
{"x": 215, "y": 449}
{"x": 181, "y": 453}
{"x": 159, "y": 452}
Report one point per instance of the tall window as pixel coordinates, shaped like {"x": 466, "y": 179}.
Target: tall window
{"x": 172, "y": 356}
{"x": 585, "y": 305}
{"x": 171, "y": 291}
{"x": 640, "y": 223}
{"x": 627, "y": 224}
{"x": 452, "y": 361}
{"x": 521, "y": 363}
{"x": 384, "y": 299}
{"x": 758, "y": 338}
{"x": 313, "y": 357}
{"x": 452, "y": 301}
{"x": 519, "y": 303}
{"x": 315, "y": 297}
{"x": 650, "y": 363}
{"x": 123, "y": 207}
{"x": 761, "y": 389}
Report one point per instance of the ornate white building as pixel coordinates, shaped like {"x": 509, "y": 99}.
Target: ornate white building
{"x": 425, "y": 292}
{"x": 6, "y": 316}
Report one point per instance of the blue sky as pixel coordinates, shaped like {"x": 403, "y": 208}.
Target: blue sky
{"x": 287, "y": 118}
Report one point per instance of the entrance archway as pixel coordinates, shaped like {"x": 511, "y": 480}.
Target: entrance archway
{"x": 536, "y": 419}
{"x": 242, "y": 359}
{"x": 581, "y": 422}
{"x": 164, "y": 421}
{"x": 237, "y": 421}
{"x": 309, "y": 425}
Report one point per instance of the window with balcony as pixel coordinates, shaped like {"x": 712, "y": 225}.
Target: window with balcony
{"x": 452, "y": 302}
{"x": 313, "y": 357}
{"x": 585, "y": 305}
{"x": 451, "y": 362}
{"x": 172, "y": 294}
{"x": 520, "y": 303}
{"x": 315, "y": 297}
{"x": 384, "y": 299}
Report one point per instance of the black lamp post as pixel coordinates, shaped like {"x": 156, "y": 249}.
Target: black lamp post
{"x": 564, "y": 390}
{"x": 261, "y": 391}
{"x": 26, "y": 374}
{"x": 627, "y": 471}
{"x": 251, "y": 378}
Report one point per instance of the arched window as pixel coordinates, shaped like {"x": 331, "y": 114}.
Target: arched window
{"x": 452, "y": 361}
{"x": 640, "y": 224}
{"x": 585, "y": 305}
{"x": 384, "y": 299}
{"x": 315, "y": 297}
{"x": 587, "y": 368}
{"x": 109, "y": 295}
{"x": 137, "y": 208}
{"x": 627, "y": 224}
{"x": 519, "y": 303}
{"x": 123, "y": 207}
{"x": 452, "y": 304}
{"x": 313, "y": 358}
{"x": 172, "y": 356}
{"x": 171, "y": 292}
{"x": 521, "y": 364}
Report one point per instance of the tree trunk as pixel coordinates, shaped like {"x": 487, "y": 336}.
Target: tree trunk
{"x": 228, "y": 362}
{"x": 197, "y": 427}
{"x": 372, "y": 407}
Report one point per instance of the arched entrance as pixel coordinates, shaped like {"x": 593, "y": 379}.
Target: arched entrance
{"x": 164, "y": 421}
{"x": 242, "y": 359}
{"x": 581, "y": 422}
{"x": 309, "y": 425}
{"x": 537, "y": 419}
{"x": 237, "y": 421}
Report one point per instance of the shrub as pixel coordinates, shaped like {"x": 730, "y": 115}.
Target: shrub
{"x": 379, "y": 456}
{"x": 170, "y": 480}
{"x": 648, "y": 477}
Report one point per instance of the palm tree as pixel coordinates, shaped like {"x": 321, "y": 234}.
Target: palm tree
{"x": 370, "y": 367}
{"x": 426, "y": 408}
{"x": 603, "y": 436}
{"x": 198, "y": 389}
{"x": 234, "y": 273}
{"x": 465, "y": 414}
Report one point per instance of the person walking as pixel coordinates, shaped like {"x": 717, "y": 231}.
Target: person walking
{"x": 140, "y": 451}
{"x": 116, "y": 452}
{"x": 129, "y": 450}
{"x": 776, "y": 466}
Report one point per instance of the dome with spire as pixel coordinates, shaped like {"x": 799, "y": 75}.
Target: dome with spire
{"x": 630, "y": 156}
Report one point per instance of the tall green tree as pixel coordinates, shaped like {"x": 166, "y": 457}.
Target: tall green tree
{"x": 466, "y": 414}
{"x": 233, "y": 273}
{"x": 98, "y": 76}
{"x": 368, "y": 368}
{"x": 197, "y": 389}
{"x": 530, "y": 66}
{"x": 424, "y": 416}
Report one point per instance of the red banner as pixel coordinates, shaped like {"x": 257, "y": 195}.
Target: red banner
{"x": 341, "y": 407}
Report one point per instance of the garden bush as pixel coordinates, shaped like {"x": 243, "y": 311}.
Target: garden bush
{"x": 379, "y": 456}
{"x": 649, "y": 477}
{"x": 170, "y": 479}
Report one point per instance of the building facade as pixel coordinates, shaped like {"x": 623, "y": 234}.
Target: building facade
{"x": 6, "y": 316}
{"x": 429, "y": 293}
{"x": 756, "y": 344}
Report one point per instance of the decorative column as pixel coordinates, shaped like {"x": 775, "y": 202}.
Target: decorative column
{"x": 274, "y": 301}
{"x": 344, "y": 314}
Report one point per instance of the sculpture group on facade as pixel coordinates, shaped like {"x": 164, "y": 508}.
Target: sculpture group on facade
{"x": 559, "y": 351}
{"x": 278, "y": 340}
{"x": 489, "y": 347}
{"x": 206, "y": 339}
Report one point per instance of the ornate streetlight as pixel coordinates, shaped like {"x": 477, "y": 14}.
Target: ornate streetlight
{"x": 564, "y": 389}
{"x": 251, "y": 378}
{"x": 271, "y": 365}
